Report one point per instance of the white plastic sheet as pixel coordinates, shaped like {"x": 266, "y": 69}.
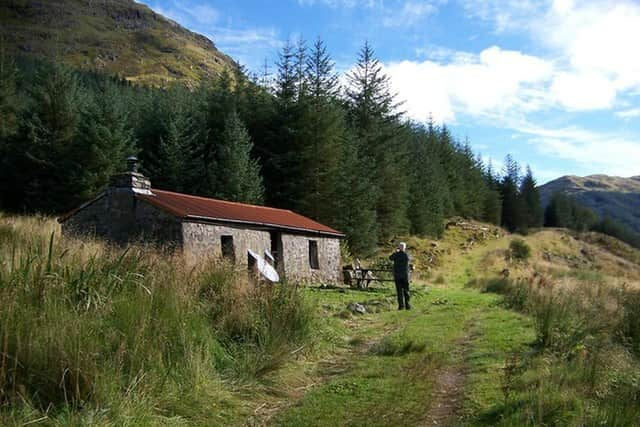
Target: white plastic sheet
{"x": 264, "y": 267}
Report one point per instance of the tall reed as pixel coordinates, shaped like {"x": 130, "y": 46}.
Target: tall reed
{"x": 130, "y": 333}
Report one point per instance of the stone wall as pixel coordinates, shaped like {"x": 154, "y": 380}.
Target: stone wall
{"x": 296, "y": 258}
{"x": 202, "y": 240}
{"x": 119, "y": 217}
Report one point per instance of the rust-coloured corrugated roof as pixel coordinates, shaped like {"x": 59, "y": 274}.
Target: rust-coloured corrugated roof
{"x": 202, "y": 208}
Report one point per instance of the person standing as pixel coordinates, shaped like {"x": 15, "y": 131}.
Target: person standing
{"x": 401, "y": 266}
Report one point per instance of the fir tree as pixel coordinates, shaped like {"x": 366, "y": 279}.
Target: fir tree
{"x": 531, "y": 198}
{"x": 279, "y": 153}
{"x": 427, "y": 186}
{"x": 513, "y": 212}
{"x": 175, "y": 157}
{"x": 238, "y": 173}
{"x": 375, "y": 120}
{"x": 492, "y": 211}
{"x": 8, "y": 98}
{"x": 355, "y": 200}
{"x": 50, "y": 171}
{"x": 8, "y": 124}
{"x": 103, "y": 141}
{"x": 323, "y": 130}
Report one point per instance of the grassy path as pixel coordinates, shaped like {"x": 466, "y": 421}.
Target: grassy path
{"x": 438, "y": 364}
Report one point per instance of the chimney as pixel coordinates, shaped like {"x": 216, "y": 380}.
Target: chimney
{"x": 132, "y": 180}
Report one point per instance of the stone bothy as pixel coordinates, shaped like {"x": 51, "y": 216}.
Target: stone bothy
{"x": 129, "y": 210}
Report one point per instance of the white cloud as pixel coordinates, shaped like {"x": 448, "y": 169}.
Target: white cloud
{"x": 184, "y": 11}
{"x": 578, "y": 91}
{"x": 342, "y": 3}
{"x": 628, "y": 114}
{"x": 249, "y": 46}
{"x": 409, "y": 14}
{"x": 204, "y": 13}
{"x": 506, "y": 15}
{"x": 595, "y": 151}
{"x": 593, "y": 43}
{"x": 495, "y": 80}
{"x": 597, "y": 37}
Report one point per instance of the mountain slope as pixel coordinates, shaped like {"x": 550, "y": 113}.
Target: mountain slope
{"x": 115, "y": 36}
{"x": 614, "y": 196}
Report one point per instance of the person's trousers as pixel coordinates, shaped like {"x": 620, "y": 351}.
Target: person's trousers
{"x": 402, "y": 289}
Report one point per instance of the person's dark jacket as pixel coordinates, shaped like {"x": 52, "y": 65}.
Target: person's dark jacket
{"x": 401, "y": 265}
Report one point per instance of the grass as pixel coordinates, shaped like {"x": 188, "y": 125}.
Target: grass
{"x": 580, "y": 369}
{"x": 392, "y": 380}
{"x": 549, "y": 339}
{"x": 528, "y": 357}
{"x": 96, "y": 335}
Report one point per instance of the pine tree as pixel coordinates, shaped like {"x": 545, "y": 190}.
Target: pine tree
{"x": 492, "y": 211}
{"x": 322, "y": 79}
{"x": 369, "y": 93}
{"x": 323, "y": 130}
{"x": 558, "y": 212}
{"x": 50, "y": 171}
{"x": 300, "y": 67}
{"x": 9, "y": 112}
{"x": 280, "y": 151}
{"x": 513, "y": 217}
{"x": 175, "y": 157}
{"x": 238, "y": 174}
{"x": 427, "y": 187}
{"x": 171, "y": 131}
{"x": 531, "y": 199}
{"x": 8, "y": 98}
{"x": 355, "y": 200}
{"x": 375, "y": 120}
{"x": 103, "y": 141}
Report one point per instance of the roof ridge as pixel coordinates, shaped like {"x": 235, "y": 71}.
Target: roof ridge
{"x": 225, "y": 201}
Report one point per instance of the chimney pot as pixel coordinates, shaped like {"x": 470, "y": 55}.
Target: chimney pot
{"x": 132, "y": 164}
{"x": 132, "y": 179}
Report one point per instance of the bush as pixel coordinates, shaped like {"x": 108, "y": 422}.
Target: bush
{"x": 498, "y": 285}
{"x": 568, "y": 322}
{"x": 519, "y": 250}
{"x": 397, "y": 345}
{"x": 629, "y": 327}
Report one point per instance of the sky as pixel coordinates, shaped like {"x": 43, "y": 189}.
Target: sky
{"x": 556, "y": 83}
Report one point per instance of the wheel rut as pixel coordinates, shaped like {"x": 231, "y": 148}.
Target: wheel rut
{"x": 447, "y": 403}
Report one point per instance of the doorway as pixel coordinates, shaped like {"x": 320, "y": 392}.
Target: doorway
{"x": 276, "y": 250}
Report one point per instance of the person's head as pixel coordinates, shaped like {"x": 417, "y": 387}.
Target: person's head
{"x": 402, "y": 246}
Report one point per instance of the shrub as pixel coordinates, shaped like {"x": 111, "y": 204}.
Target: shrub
{"x": 397, "y": 345}
{"x": 568, "y": 322}
{"x": 629, "y": 327}
{"x": 498, "y": 285}
{"x": 519, "y": 250}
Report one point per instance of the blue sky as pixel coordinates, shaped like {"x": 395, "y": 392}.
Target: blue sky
{"x": 554, "y": 83}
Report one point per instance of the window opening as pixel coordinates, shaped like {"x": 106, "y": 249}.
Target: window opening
{"x": 313, "y": 255}
{"x": 228, "y": 250}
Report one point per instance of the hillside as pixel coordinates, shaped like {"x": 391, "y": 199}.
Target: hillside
{"x": 116, "y": 36}
{"x": 613, "y": 196}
